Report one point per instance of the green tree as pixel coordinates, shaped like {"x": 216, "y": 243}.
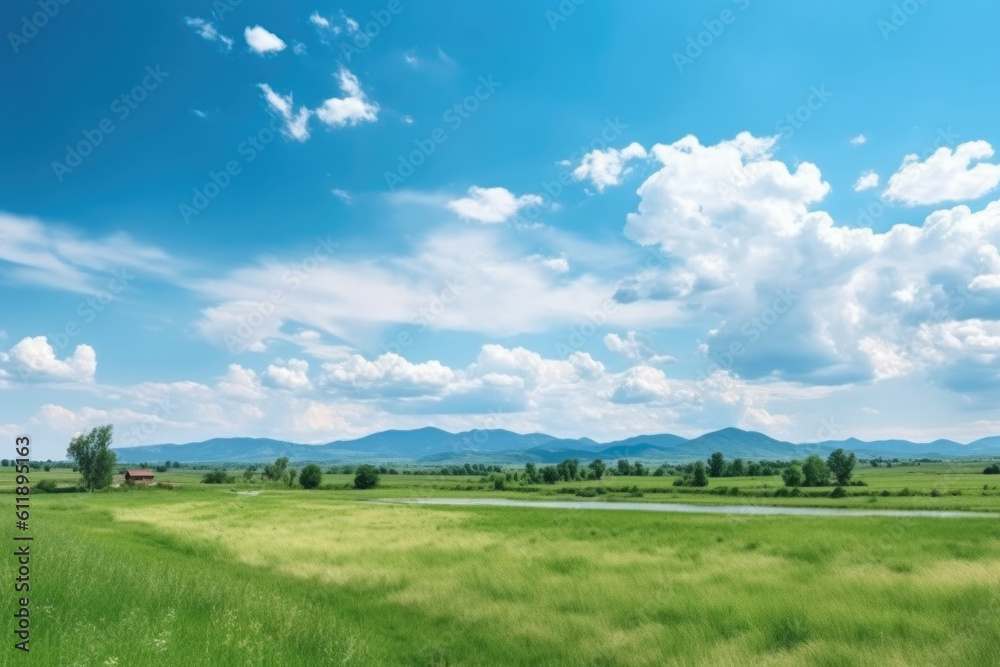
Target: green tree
{"x": 699, "y": 476}
{"x": 366, "y": 477}
{"x": 177, "y": 464}
{"x": 217, "y": 477}
{"x": 841, "y": 464}
{"x": 815, "y": 471}
{"x": 4, "y": 463}
{"x": 624, "y": 468}
{"x": 597, "y": 467}
{"x": 167, "y": 464}
{"x": 311, "y": 476}
{"x": 639, "y": 470}
{"x": 737, "y": 468}
{"x": 249, "y": 472}
{"x": 792, "y": 475}
{"x": 716, "y": 464}
{"x": 93, "y": 455}
{"x": 550, "y": 474}
{"x": 275, "y": 471}
{"x": 290, "y": 476}
{"x": 531, "y": 473}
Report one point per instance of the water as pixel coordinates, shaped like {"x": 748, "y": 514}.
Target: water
{"x": 759, "y": 510}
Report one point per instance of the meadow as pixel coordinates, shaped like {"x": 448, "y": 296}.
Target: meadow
{"x": 244, "y": 574}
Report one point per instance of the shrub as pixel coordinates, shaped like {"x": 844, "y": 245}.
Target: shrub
{"x": 366, "y": 477}
{"x": 46, "y": 486}
{"x": 858, "y": 482}
{"x": 792, "y": 475}
{"x": 217, "y": 477}
{"x": 992, "y": 470}
{"x": 311, "y": 476}
{"x": 164, "y": 485}
{"x": 935, "y": 493}
{"x": 838, "y": 493}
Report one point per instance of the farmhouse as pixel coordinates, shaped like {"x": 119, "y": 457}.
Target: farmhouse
{"x": 138, "y": 476}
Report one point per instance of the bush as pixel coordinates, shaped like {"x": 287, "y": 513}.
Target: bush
{"x": 311, "y": 476}
{"x": 792, "y": 475}
{"x": 46, "y": 486}
{"x": 217, "y": 477}
{"x": 838, "y": 493}
{"x": 992, "y": 470}
{"x": 366, "y": 477}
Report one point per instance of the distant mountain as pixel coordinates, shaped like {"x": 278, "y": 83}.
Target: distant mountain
{"x": 433, "y": 445}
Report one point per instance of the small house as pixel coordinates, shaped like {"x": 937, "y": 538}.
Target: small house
{"x": 138, "y": 476}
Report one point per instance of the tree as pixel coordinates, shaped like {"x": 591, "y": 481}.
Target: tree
{"x": 93, "y": 456}
{"x": 841, "y": 464}
{"x": 167, "y": 464}
{"x": 624, "y": 468}
{"x": 699, "y": 477}
{"x": 311, "y": 476}
{"x": 550, "y": 474}
{"x": 992, "y": 470}
{"x": 716, "y": 464}
{"x": 597, "y": 467}
{"x": 275, "y": 471}
{"x": 638, "y": 469}
{"x": 248, "y": 473}
{"x": 217, "y": 477}
{"x": 737, "y": 468}
{"x": 792, "y": 475}
{"x": 290, "y": 475}
{"x": 4, "y": 463}
{"x": 531, "y": 473}
{"x": 815, "y": 472}
{"x": 177, "y": 464}
{"x": 366, "y": 477}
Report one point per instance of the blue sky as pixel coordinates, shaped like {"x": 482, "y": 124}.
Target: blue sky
{"x": 313, "y": 221}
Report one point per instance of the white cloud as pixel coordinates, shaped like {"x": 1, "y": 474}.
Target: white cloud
{"x": 34, "y": 360}
{"x": 491, "y": 205}
{"x": 298, "y": 48}
{"x": 319, "y": 21}
{"x": 804, "y": 299}
{"x": 945, "y": 176}
{"x": 866, "y": 181}
{"x": 261, "y": 41}
{"x": 43, "y": 254}
{"x": 342, "y": 195}
{"x": 294, "y": 375}
{"x": 296, "y": 123}
{"x": 410, "y": 58}
{"x": 859, "y": 140}
{"x": 207, "y": 31}
{"x": 352, "y": 109}
{"x": 635, "y": 348}
{"x": 606, "y": 168}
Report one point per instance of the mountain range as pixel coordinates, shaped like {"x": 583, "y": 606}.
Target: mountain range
{"x": 432, "y": 445}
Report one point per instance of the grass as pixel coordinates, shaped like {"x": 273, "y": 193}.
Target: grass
{"x": 200, "y": 575}
{"x": 210, "y": 574}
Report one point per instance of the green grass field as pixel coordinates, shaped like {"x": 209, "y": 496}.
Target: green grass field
{"x": 212, "y": 575}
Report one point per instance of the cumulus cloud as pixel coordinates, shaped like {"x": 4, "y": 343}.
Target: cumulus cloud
{"x": 803, "y": 298}
{"x": 635, "y": 347}
{"x": 319, "y": 21}
{"x": 866, "y": 181}
{"x": 293, "y": 375}
{"x": 859, "y": 140}
{"x": 34, "y": 360}
{"x": 609, "y": 167}
{"x": 261, "y": 41}
{"x": 945, "y": 176}
{"x": 352, "y": 109}
{"x": 296, "y": 123}
{"x": 207, "y": 31}
{"x": 491, "y": 205}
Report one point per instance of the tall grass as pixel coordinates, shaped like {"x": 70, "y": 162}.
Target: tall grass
{"x": 208, "y": 577}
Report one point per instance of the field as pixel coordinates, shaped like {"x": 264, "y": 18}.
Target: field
{"x": 243, "y": 575}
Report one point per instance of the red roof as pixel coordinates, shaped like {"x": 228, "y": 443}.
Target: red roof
{"x": 138, "y": 473}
